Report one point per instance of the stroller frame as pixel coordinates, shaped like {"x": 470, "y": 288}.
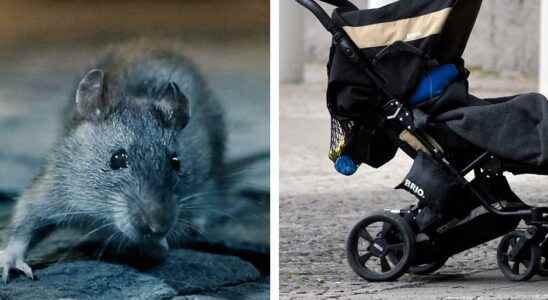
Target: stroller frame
{"x": 527, "y": 247}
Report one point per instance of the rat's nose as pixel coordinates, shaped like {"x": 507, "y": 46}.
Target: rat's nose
{"x": 157, "y": 229}
{"x": 153, "y": 218}
{"x": 153, "y": 230}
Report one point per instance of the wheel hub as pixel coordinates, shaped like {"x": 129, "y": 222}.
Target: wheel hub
{"x": 378, "y": 248}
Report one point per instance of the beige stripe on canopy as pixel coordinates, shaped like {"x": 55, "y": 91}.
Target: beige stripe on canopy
{"x": 384, "y": 34}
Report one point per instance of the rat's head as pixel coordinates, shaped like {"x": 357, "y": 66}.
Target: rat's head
{"x": 122, "y": 155}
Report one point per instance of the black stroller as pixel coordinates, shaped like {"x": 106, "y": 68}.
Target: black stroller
{"x": 461, "y": 145}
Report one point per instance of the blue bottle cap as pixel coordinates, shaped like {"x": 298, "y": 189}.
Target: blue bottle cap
{"x": 345, "y": 165}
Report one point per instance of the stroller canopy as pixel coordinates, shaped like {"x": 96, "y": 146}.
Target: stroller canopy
{"x": 401, "y": 40}
{"x": 441, "y": 27}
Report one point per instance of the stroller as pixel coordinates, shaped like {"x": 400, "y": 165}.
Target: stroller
{"x": 461, "y": 145}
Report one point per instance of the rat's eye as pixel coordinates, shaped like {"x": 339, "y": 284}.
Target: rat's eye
{"x": 175, "y": 162}
{"x": 118, "y": 160}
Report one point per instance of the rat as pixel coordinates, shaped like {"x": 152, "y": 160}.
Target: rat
{"x": 142, "y": 134}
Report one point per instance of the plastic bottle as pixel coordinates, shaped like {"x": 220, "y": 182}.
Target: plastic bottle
{"x": 345, "y": 165}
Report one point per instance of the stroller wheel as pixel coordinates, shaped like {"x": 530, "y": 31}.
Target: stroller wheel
{"x": 381, "y": 247}
{"x": 428, "y": 268}
{"x": 543, "y": 267}
{"x": 516, "y": 264}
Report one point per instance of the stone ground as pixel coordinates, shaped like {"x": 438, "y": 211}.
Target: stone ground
{"x": 35, "y": 84}
{"x": 318, "y": 207}
{"x": 189, "y": 274}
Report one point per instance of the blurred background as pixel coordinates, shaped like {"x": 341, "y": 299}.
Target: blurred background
{"x": 507, "y": 54}
{"x": 45, "y": 45}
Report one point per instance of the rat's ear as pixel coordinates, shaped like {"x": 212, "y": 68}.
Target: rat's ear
{"x": 90, "y": 103}
{"x": 173, "y": 107}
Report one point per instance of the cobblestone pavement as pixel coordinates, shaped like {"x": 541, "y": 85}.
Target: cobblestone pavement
{"x": 318, "y": 207}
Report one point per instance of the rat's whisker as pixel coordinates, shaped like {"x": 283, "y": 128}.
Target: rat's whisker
{"x": 192, "y": 196}
{"x": 105, "y": 244}
{"x": 194, "y": 228}
{"x": 216, "y": 211}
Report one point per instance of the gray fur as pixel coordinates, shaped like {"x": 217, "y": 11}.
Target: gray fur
{"x": 77, "y": 188}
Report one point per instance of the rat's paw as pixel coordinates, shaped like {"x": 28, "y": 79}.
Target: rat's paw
{"x": 10, "y": 261}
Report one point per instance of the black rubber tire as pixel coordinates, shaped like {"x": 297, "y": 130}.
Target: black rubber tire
{"x": 531, "y": 258}
{"x": 426, "y": 269}
{"x": 400, "y": 229}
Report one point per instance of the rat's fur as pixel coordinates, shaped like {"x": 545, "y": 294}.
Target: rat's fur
{"x": 146, "y": 203}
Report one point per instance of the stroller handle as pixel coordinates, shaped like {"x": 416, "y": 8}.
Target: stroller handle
{"x": 347, "y": 45}
{"x": 320, "y": 13}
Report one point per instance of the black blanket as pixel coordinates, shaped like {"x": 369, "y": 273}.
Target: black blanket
{"x": 514, "y": 128}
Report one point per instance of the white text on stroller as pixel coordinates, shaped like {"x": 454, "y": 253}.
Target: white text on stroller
{"x": 414, "y": 188}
